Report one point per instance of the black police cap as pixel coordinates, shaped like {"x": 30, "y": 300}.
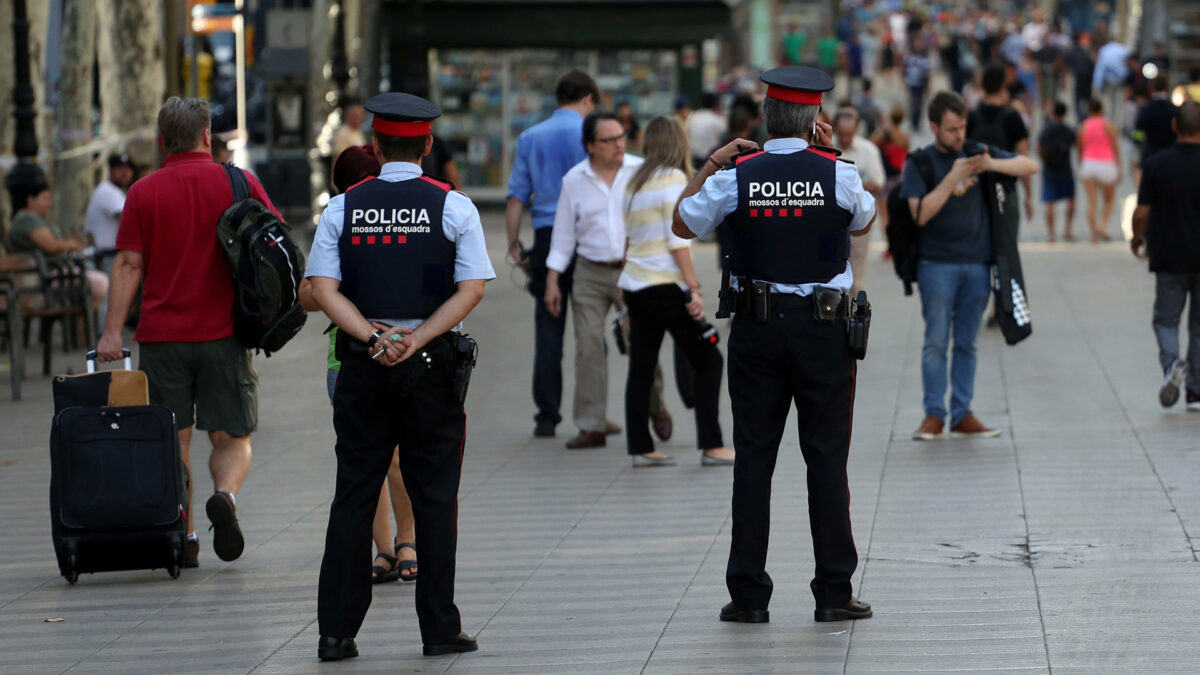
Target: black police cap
{"x": 797, "y": 84}
{"x": 399, "y": 114}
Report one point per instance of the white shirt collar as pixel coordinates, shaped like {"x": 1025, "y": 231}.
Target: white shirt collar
{"x": 626, "y": 162}
{"x": 400, "y": 170}
{"x": 785, "y": 145}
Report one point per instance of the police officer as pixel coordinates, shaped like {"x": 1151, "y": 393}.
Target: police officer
{"x": 791, "y": 209}
{"x": 397, "y": 263}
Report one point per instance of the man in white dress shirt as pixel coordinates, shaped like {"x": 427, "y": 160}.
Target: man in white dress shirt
{"x": 107, "y": 202}
{"x": 590, "y": 223}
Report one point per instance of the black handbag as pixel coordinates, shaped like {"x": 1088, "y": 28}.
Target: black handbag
{"x": 1008, "y": 282}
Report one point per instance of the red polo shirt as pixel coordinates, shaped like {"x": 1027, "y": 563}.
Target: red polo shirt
{"x": 171, "y": 217}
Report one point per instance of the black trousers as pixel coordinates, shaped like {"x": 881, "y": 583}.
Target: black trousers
{"x": 372, "y": 417}
{"x": 548, "y": 332}
{"x": 792, "y": 358}
{"x": 652, "y": 312}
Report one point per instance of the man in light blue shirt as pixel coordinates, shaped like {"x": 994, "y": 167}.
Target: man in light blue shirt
{"x": 545, "y": 152}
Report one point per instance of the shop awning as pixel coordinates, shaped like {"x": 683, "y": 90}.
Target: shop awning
{"x": 555, "y": 24}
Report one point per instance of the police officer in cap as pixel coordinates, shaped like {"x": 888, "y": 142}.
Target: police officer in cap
{"x": 792, "y": 208}
{"x": 397, "y": 262}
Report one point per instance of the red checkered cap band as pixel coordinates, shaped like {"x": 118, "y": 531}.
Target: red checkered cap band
{"x": 402, "y": 129}
{"x": 795, "y": 96}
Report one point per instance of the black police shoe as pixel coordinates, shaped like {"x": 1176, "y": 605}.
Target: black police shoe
{"x": 853, "y": 609}
{"x": 336, "y": 649}
{"x": 460, "y": 643}
{"x": 732, "y": 612}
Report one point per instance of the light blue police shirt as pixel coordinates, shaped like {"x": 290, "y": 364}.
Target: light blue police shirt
{"x": 460, "y": 224}
{"x": 718, "y": 197}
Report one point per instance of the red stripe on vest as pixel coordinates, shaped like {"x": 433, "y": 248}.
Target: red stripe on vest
{"x": 446, "y": 187}
{"x": 743, "y": 158}
{"x": 360, "y": 183}
{"x": 821, "y": 153}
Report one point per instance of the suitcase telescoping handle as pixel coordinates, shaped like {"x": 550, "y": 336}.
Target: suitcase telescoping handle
{"x": 91, "y": 359}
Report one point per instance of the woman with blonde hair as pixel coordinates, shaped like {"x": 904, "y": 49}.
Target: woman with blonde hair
{"x": 662, "y": 295}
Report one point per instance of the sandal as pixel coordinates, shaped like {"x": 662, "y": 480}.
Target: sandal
{"x": 409, "y": 566}
{"x": 381, "y": 574}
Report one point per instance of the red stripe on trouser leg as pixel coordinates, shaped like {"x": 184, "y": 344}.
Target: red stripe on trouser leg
{"x": 849, "y": 434}
{"x": 461, "y": 444}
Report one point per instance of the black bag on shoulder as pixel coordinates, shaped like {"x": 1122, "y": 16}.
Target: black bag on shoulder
{"x": 901, "y": 228}
{"x": 267, "y": 268}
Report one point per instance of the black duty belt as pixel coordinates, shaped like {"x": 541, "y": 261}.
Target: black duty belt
{"x": 756, "y": 301}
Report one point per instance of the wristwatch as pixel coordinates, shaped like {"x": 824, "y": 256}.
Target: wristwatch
{"x": 374, "y": 338}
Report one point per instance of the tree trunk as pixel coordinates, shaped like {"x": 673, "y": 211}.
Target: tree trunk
{"x": 75, "y": 175}
{"x": 132, "y": 79}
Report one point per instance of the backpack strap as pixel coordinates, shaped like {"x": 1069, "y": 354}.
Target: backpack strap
{"x": 924, "y": 163}
{"x": 237, "y": 181}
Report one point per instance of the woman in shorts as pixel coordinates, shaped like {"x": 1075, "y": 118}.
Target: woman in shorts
{"x": 1099, "y": 166}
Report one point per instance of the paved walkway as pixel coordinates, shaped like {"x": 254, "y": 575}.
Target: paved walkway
{"x": 1065, "y": 545}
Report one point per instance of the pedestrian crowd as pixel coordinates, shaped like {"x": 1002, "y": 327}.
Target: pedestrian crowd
{"x": 789, "y": 187}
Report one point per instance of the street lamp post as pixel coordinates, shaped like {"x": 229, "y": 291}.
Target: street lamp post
{"x": 26, "y": 173}
{"x": 339, "y": 63}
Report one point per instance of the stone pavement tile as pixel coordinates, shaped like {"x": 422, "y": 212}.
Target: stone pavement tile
{"x": 1106, "y": 616}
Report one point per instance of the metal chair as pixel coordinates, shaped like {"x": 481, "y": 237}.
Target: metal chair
{"x": 10, "y": 324}
{"x": 52, "y": 291}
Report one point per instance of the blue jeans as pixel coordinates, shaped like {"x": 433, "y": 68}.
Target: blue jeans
{"x": 953, "y": 297}
{"x": 1170, "y": 293}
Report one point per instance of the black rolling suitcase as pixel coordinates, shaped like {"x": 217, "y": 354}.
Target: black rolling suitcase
{"x": 117, "y": 478}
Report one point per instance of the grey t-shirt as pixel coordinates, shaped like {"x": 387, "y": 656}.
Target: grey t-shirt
{"x": 959, "y": 233}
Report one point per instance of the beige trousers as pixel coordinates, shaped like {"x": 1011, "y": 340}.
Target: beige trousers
{"x": 593, "y": 292}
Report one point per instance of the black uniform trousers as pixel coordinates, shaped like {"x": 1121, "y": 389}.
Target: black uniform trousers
{"x": 790, "y": 358}
{"x": 372, "y": 416}
{"x": 548, "y": 332}
{"x": 653, "y": 312}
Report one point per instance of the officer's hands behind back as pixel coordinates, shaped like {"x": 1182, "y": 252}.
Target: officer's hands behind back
{"x": 394, "y": 349}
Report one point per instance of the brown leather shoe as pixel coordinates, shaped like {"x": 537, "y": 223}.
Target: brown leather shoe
{"x": 587, "y": 439}
{"x": 930, "y": 429}
{"x": 611, "y": 428}
{"x": 662, "y": 425}
{"x": 971, "y": 427}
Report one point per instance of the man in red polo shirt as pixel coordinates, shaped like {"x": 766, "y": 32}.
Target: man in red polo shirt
{"x": 168, "y": 241}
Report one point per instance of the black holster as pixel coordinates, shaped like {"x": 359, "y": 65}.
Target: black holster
{"x": 466, "y": 353}
{"x": 754, "y": 299}
{"x": 858, "y": 325}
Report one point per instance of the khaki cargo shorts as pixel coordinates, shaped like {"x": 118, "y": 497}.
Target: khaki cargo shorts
{"x": 209, "y": 384}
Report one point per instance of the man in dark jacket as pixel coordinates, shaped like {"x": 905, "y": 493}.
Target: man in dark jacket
{"x": 1167, "y": 220}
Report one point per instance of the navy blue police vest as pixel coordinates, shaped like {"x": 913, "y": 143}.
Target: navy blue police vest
{"x": 788, "y": 227}
{"x": 396, "y": 260}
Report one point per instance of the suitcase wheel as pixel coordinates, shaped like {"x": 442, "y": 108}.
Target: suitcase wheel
{"x": 72, "y": 571}
{"x": 176, "y": 560}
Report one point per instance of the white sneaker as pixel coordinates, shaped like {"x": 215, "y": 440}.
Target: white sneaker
{"x": 1176, "y": 374}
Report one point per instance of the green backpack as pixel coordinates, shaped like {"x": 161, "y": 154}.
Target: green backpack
{"x": 267, "y": 269}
